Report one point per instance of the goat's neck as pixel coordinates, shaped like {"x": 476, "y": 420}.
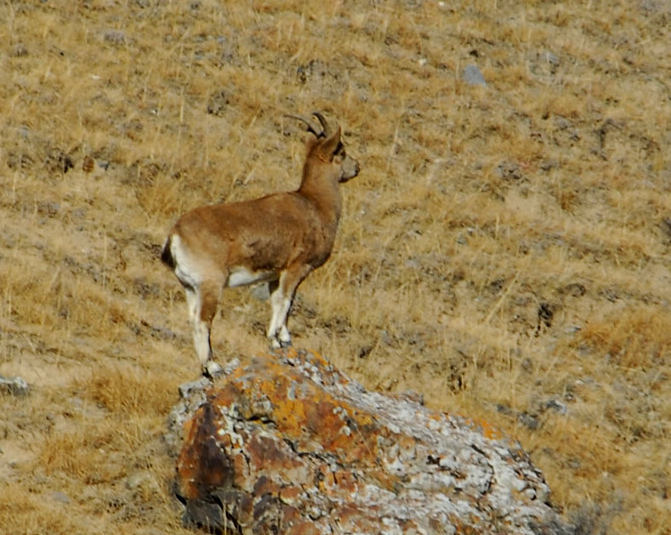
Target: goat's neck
{"x": 320, "y": 186}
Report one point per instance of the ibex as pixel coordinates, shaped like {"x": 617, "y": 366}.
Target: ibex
{"x": 278, "y": 239}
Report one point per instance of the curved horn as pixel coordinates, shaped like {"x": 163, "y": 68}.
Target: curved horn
{"x": 310, "y": 126}
{"x": 325, "y": 126}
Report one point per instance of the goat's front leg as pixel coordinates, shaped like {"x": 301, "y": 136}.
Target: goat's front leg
{"x": 278, "y": 333}
{"x": 281, "y": 299}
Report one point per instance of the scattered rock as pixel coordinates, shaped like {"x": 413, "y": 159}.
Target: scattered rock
{"x": 115, "y": 37}
{"x": 510, "y": 171}
{"x": 58, "y": 161}
{"x": 218, "y": 103}
{"x": 289, "y": 444}
{"x": 15, "y": 386}
{"x": 556, "y": 406}
{"x": 549, "y": 59}
{"x": 473, "y": 76}
{"x": 60, "y": 497}
{"x": 574, "y": 289}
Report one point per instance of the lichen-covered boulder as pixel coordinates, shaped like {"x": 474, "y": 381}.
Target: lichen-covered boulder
{"x": 290, "y": 445}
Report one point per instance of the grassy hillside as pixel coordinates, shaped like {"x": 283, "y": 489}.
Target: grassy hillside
{"x": 504, "y": 251}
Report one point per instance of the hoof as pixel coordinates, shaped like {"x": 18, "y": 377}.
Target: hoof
{"x": 276, "y": 343}
{"x": 212, "y": 370}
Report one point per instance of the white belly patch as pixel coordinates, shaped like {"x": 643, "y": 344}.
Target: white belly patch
{"x": 241, "y": 276}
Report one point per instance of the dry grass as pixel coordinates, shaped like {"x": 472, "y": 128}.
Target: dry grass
{"x": 504, "y": 250}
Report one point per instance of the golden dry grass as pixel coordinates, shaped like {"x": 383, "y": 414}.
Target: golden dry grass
{"x": 504, "y": 250}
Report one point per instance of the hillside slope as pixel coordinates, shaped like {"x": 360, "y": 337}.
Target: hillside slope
{"x": 504, "y": 251}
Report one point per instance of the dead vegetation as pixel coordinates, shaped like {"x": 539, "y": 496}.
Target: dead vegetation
{"x": 504, "y": 250}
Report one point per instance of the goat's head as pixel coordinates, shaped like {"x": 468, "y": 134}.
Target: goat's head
{"x": 328, "y": 147}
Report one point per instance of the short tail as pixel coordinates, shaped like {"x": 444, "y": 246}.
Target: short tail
{"x": 166, "y": 255}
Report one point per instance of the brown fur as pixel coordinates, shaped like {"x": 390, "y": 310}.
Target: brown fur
{"x": 279, "y": 238}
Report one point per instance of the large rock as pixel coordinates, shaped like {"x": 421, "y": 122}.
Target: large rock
{"x": 290, "y": 445}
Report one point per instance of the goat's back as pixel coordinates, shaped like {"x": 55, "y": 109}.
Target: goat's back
{"x": 269, "y": 233}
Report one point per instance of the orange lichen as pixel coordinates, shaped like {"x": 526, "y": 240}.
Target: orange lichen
{"x": 486, "y": 428}
{"x": 297, "y": 441}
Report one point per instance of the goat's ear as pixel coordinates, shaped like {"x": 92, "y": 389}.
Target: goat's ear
{"x": 330, "y": 146}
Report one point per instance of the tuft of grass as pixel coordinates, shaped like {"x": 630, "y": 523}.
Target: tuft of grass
{"x": 129, "y": 391}
{"x": 27, "y": 513}
{"x": 635, "y": 340}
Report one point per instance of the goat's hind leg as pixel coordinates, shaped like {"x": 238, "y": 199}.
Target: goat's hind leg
{"x": 202, "y": 303}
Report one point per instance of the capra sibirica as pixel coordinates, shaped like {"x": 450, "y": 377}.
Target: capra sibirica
{"x": 278, "y": 239}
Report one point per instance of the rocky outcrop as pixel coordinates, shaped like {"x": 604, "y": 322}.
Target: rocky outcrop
{"x": 289, "y": 444}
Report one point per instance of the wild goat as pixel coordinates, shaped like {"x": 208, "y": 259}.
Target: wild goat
{"x": 278, "y": 239}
